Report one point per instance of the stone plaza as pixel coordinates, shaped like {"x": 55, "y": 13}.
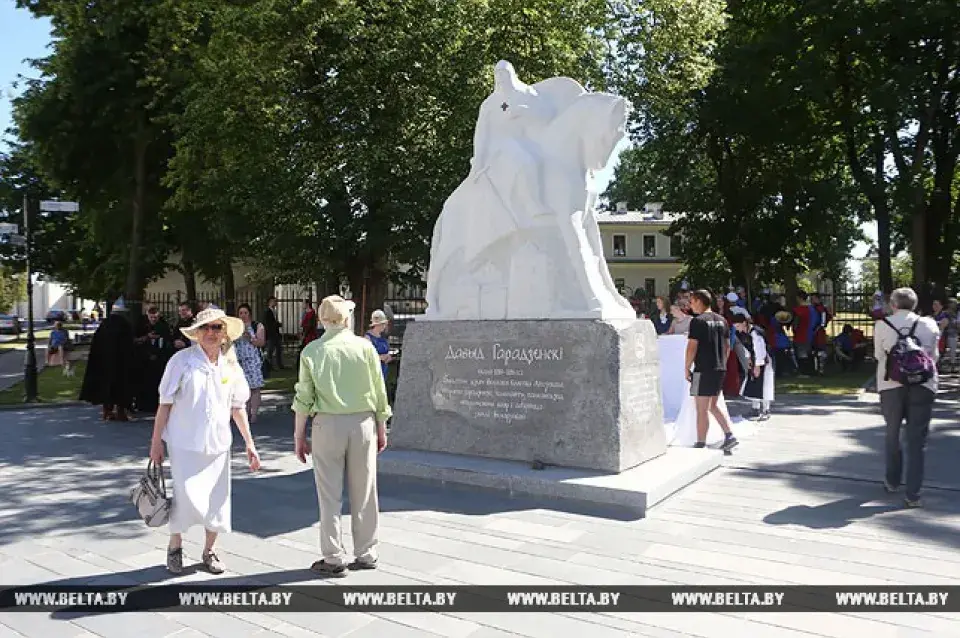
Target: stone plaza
{"x": 798, "y": 503}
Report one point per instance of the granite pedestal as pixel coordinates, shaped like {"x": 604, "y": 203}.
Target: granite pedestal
{"x": 562, "y": 409}
{"x": 571, "y": 393}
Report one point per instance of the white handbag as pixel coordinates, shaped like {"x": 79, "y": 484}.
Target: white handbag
{"x": 150, "y": 497}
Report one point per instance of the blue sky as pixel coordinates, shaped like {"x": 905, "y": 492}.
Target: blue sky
{"x": 21, "y": 37}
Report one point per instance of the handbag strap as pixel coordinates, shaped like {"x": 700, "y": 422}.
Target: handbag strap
{"x": 155, "y": 469}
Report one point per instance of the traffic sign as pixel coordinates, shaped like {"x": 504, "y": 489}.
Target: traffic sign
{"x": 9, "y": 229}
{"x": 51, "y": 206}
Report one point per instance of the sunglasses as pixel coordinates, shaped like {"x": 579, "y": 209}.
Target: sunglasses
{"x": 212, "y": 327}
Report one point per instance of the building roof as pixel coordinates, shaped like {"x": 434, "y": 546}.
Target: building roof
{"x": 638, "y": 217}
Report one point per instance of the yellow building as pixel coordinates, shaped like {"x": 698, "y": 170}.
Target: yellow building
{"x": 640, "y": 256}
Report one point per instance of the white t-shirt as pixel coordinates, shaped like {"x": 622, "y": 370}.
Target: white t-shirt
{"x": 884, "y": 338}
{"x": 202, "y": 395}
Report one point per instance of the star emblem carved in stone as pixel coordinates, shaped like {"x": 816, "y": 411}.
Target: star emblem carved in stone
{"x": 504, "y": 106}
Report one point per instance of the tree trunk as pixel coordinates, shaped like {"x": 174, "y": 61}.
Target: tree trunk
{"x": 749, "y": 271}
{"x": 133, "y": 289}
{"x": 939, "y": 243}
{"x": 369, "y": 287}
{"x": 790, "y": 288}
{"x": 189, "y": 279}
{"x": 874, "y": 189}
{"x": 356, "y": 277}
{"x": 884, "y": 268}
{"x": 376, "y": 290}
{"x": 229, "y": 289}
{"x": 330, "y": 285}
{"x": 263, "y": 294}
{"x": 881, "y": 210}
{"x": 110, "y": 300}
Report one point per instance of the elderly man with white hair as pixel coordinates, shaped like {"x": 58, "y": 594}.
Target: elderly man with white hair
{"x": 911, "y": 400}
{"x": 341, "y": 386}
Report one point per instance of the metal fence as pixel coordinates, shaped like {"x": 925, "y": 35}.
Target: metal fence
{"x": 402, "y": 302}
{"x": 288, "y": 311}
{"x": 848, "y": 306}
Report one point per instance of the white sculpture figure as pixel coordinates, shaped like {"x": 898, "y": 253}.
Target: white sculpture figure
{"x": 518, "y": 239}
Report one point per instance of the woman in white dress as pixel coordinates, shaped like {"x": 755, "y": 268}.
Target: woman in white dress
{"x": 203, "y": 387}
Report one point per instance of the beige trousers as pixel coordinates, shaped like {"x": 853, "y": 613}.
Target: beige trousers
{"x": 346, "y": 441}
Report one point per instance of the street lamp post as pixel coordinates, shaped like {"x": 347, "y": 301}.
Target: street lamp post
{"x": 30, "y": 361}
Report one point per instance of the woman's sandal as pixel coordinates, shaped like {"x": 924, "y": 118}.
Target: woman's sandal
{"x": 175, "y": 560}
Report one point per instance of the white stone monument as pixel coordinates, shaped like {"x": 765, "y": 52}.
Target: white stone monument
{"x": 527, "y": 351}
{"x": 518, "y": 239}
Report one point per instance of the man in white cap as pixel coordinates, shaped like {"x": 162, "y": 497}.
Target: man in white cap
{"x": 341, "y": 384}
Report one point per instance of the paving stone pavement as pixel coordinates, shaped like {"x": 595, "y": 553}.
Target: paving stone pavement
{"x": 798, "y": 503}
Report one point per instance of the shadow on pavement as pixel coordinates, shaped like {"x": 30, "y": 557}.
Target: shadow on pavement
{"x": 65, "y": 469}
{"x": 854, "y": 473}
{"x": 832, "y": 515}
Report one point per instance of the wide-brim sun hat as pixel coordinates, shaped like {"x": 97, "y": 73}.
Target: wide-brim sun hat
{"x": 235, "y": 327}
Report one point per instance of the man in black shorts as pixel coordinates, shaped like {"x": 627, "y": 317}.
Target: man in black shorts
{"x": 708, "y": 347}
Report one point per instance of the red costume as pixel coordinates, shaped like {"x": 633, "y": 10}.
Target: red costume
{"x": 802, "y": 332}
{"x": 731, "y": 380}
{"x": 309, "y": 326}
{"x": 820, "y": 336}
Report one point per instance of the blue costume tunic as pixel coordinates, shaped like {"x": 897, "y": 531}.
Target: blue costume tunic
{"x": 383, "y": 347}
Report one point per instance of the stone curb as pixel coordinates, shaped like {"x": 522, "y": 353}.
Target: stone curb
{"x": 40, "y": 406}
{"x": 283, "y": 404}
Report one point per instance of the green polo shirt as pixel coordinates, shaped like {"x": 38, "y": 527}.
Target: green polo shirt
{"x": 340, "y": 374}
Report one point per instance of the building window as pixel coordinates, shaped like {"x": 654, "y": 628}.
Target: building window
{"x": 650, "y": 285}
{"x": 620, "y": 284}
{"x": 619, "y": 245}
{"x": 649, "y": 245}
{"x": 676, "y": 246}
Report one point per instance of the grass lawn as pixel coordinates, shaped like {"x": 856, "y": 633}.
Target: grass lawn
{"x": 832, "y": 384}
{"x": 52, "y": 385}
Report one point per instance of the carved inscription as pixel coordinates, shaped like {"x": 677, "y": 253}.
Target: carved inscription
{"x": 500, "y": 382}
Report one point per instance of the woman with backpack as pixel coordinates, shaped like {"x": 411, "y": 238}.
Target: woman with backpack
{"x": 905, "y": 346}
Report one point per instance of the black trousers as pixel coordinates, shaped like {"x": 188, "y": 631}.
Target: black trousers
{"x": 275, "y": 350}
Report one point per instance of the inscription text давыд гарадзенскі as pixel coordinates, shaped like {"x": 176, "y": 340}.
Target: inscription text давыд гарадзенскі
{"x": 500, "y": 382}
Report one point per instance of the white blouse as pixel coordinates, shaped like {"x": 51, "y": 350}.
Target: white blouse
{"x": 202, "y": 395}
{"x": 759, "y": 349}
